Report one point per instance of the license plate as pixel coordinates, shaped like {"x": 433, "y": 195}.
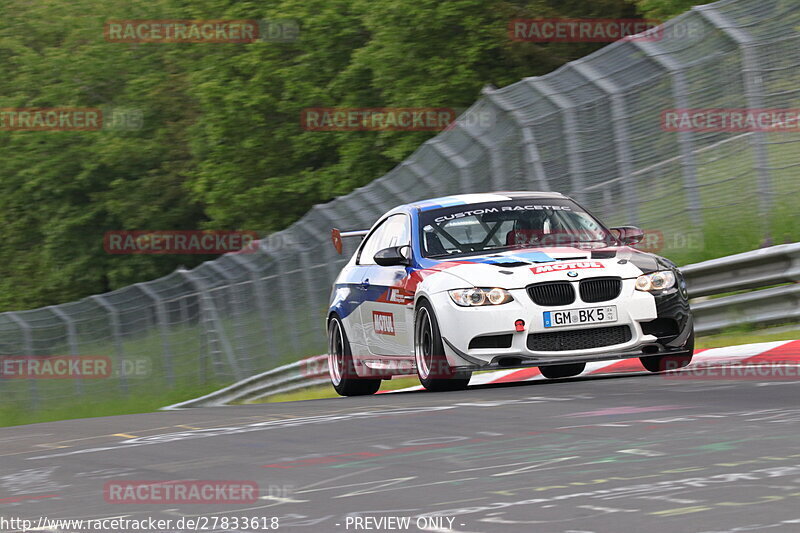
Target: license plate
{"x": 575, "y": 317}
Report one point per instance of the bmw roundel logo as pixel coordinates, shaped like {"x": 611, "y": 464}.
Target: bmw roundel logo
{"x": 572, "y": 274}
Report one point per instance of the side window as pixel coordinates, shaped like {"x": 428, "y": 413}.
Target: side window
{"x": 397, "y": 233}
{"x": 394, "y": 231}
{"x": 371, "y": 245}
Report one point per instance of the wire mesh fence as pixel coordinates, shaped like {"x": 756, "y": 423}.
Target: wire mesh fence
{"x": 592, "y": 129}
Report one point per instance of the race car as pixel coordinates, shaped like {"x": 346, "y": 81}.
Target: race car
{"x": 449, "y": 286}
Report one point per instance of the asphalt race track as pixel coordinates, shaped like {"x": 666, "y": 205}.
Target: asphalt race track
{"x": 603, "y": 454}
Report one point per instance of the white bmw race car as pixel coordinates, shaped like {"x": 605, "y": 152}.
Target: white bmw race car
{"x": 448, "y": 286}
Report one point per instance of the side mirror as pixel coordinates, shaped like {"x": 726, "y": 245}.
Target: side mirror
{"x": 391, "y": 257}
{"x": 628, "y": 235}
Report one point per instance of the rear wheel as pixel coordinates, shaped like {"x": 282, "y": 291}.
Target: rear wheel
{"x": 434, "y": 372}
{"x": 562, "y": 371}
{"x": 341, "y": 368}
{"x": 660, "y": 363}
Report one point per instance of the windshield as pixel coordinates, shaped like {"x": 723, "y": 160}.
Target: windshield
{"x": 497, "y": 226}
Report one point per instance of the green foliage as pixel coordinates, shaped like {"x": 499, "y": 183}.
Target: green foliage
{"x": 665, "y": 9}
{"x": 221, "y": 145}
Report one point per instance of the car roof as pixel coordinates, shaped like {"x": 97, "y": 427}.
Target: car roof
{"x": 464, "y": 199}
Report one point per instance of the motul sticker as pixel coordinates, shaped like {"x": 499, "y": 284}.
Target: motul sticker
{"x": 560, "y": 267}
{"x": 383, "y": 323}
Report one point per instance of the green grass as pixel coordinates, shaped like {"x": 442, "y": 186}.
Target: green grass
{"x": 743, "y": 335}
{"x": 194, "y": 373}
{"x": 100, "y": 406}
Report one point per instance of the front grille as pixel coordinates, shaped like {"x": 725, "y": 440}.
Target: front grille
{"x": 491, "y": 341}
{"x": 578, "y": 339}
{"x": 600, "y": 289}
{"x": 552, "y": 293}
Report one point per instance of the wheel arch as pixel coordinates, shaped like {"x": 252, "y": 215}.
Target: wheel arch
{"x": 331, "y": 313}
{"x": 420, "y": 300}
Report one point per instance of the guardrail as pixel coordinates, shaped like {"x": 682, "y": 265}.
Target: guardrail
{"x": 777, "y": 265}
{"x": 748, "y": 270}
{"x": 300, "y": 374}
{"x": 767, "y": 306}
{"x": 767, "y": 269}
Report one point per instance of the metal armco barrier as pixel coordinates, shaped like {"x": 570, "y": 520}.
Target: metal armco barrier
{"x": 760, "y": 269}
{"x": 767, "y": 306}
{"x": 301, "y": 374}
{"x": 749, "y": 270}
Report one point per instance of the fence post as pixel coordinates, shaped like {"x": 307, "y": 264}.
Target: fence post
{"x": 680, "y": 89}
{"x": 261, "y": 299}
{"x": 215, "y": 327}
{"x": 312, "y": 290}
{"x": 113, "y": 320}
{"x": 163, "y": 326}
{"x": 72, "y": 340}
{"x": 569, "y": 131}
{"x": 621, "y": 137}
{"x": 27, "y": 344}
{"x": 534, "y": 170}
{"x": 752, "y": 91}
{"x": 240, "y": 351}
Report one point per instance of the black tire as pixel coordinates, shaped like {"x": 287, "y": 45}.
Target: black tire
{"x": 562, "y": 371}
{"x": 341, "y": 367}
{"x": 660, "y": 363}
{"x": 434, "y": 372}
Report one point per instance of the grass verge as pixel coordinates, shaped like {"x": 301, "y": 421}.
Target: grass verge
{"x": 737, "y": 336}
{"x": 88, "y": 408}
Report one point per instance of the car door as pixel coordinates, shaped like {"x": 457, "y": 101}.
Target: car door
{"x": 386, "y": 313}
{"x": 350, "y": 292}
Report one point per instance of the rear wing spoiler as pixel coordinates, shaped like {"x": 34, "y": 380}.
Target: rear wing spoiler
{"x": 337, "y": 236}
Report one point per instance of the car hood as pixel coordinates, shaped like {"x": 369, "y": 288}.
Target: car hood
{"x": 519, "y": 268}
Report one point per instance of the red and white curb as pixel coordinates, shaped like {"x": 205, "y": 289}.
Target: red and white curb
{"x": 745, "y": 354}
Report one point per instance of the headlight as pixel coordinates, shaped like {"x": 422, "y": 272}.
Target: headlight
{"x": 480, "y": 296}
{"x": 657, "y": 281}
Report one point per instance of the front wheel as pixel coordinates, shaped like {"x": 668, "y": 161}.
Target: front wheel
{"x": 341, "y": 367}
{"x": 660, "y": 363}
{"x": 434, "y": 372}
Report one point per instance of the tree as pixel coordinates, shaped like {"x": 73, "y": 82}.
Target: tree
{"x": 221, "y": 145}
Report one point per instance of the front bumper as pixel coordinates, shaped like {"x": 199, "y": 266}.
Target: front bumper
{"x": 460, "y": 325}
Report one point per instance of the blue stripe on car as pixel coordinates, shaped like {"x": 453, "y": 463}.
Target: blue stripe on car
{"x": 526, "y": 257}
